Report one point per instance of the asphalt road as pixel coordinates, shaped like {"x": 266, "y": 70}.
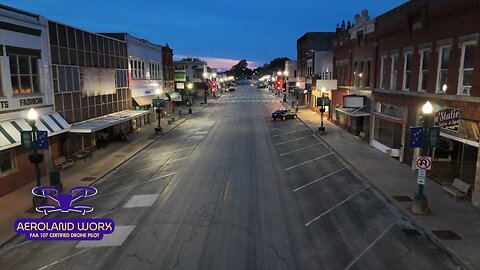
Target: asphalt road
{"x": 232, "y": 189}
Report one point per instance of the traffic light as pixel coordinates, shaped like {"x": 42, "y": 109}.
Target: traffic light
{"x": 278, "y": 84}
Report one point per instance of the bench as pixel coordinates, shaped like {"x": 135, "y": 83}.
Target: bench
{"x": 458, "y": 188}
{"x": 62, "y": 162}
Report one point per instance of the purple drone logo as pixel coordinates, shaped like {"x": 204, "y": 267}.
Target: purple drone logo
{"x": 64, "y": 200}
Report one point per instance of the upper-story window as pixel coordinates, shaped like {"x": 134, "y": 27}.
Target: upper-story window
{"x": 465, "y": 79}
{"x": 393, "y": 75}
{"x": 407, "y": 71}
{"x": 383, "y": 72}
{"x": 137, "y": 68}
{"x": 121, "y": 78}
{"x": 442, "y": 74}
{"x": 355, "y": 74}
{"x": 366, "y": 74}
{"x": 24, "y": 74}
{"x": 154, "y": 71}
{"x": 361, "y": 75}
{"x": 423, "y": 73}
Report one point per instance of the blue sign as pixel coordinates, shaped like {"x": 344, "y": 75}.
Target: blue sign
{"x": 416, "y": 137}
{"x": 324, "y": 100}
{"x": 42, "y": 140}
{"x": 161, "y": 102}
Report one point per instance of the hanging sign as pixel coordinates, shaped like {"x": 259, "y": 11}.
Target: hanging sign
{"x": 448, "y": 118}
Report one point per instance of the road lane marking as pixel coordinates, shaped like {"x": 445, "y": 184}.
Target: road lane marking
{"x": 175, "y": 160}
{"x": 332, "y": 208}
{"x": 160, "y": 155}
{"x": 371, "y": 245}
{"x": 225, "y": 192}
{"x": 145, "y": 200}
{"x": 297, "y": 139}
{"x": 299, "y": 149}
{"x": 65, "y": 258}
{"x": 306, "y": 162}
{"x": 289, "y": 132}
{"x": 316, "y": 180}
{"x": 115, "y": 239}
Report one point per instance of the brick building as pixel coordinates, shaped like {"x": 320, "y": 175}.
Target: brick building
{"x": 429, "y": 50}
{"x": 168, "y": 68}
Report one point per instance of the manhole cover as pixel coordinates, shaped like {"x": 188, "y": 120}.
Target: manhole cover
{"x": 87, "y": 179}
{"x": 411, "y": 232}
{"x": 402, "y": 198}
{"x": 446, "y": 235}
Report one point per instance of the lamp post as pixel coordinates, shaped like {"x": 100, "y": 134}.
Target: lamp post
{"x": 420, "y": 203}
{"x": 322, "y": 110}
{"x": 205, "y": 75}
{"x": 35, "y": 158}
{"x": 190, "y": 86}
{"x": 159, "y": 112}
{"x": 214, "y": 75}
{"x": 285, "y": 74}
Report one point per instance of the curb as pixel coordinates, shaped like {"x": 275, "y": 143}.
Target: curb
{"x": 411, "y": 217}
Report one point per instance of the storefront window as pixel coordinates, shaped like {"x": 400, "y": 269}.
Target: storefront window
{"x": 7, "y": 161}
{"x": 388, "y": 133}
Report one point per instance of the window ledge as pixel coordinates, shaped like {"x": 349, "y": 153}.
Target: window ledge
{"x": 28, "y": 95}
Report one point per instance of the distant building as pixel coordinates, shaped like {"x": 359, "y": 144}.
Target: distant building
{"x": 291, "y": 68}
{"x": 312, "y": 47}
{"x": 25, "y": 82}
{"x": 168, "y": 69}
{"x": 189, "y": 71}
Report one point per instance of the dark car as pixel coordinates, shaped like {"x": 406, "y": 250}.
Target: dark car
{"x": 231, "y": 89}
{"x": 283, "y": 114}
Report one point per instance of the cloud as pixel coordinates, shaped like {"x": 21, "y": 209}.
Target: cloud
{"x": 215, "y": 62}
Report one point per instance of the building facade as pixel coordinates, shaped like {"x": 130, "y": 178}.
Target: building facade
{"x": 312, "y": 48}
{"x": 25, "y": 83}
{"x": 90, "y": 85}
{"x": 355, "y": 52}
{"x": 168, "y": 68}
{"x": 428, "y": 57}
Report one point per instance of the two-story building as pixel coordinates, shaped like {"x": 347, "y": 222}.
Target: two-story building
{"x": 25, "y": 83}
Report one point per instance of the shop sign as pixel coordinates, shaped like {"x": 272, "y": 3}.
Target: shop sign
{"x": 353, "y": 101}
{"x": 30, "y": 101}
{"x": 3, "y": 104}
{"x": 180, "y": 77}
{"x": 448, "y": 118}
{"x": 180, "y": 85}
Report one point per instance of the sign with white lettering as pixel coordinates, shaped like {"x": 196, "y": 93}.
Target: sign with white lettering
{"x": 448, "y": 118}
{"x": 421, "y": 177}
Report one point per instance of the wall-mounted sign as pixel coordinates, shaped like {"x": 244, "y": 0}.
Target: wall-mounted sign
{"x": 448, "y": 118}
{"x": 353, "y": 101}
{"x": 149, "y": 91}
{"x": 30, "y": 101}
{"x": 179, "y": 68}
{"x": 3, "y": 104}
{"x": 180, "y": 85}
{"x": 180, "y": 77}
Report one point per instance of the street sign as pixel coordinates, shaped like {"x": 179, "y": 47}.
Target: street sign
{"x": 42, "y": 140}
{"x": 416, "y": 137}
{"x": 325, "y": 102}
{"x": 27, "y": 140}
{"x": 432, "y": 137}
{"x": 424, "y": 163}
{"x": 37, "y": 140}
{"x": 421, "y": 177}
{"x": 424, "y": 137}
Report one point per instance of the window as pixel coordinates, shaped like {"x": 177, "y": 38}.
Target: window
{"x": 7, "y": 161}
{"x": 367, "y": 74}
{"x": 393, "y": 75}
{"x": 407, "y": 70}
{"x": 383, "y": 72}
{"x": 361, "y": 75}
{"x": 355, "y": 77}
{"x": 24, "y": 74}
{"x": 442, "y": 74}
{"x": 137, "y": 69}
{"x": 68, "y": 79}
{"x": 423, "y": 74}
{"x": 466, "y": 68}
{"x": 121, "y": 78}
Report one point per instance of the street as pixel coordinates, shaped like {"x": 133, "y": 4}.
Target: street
{"x": 232, "y": 189}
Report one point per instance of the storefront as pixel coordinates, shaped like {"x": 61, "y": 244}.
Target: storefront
{"x": 388, "y": 129}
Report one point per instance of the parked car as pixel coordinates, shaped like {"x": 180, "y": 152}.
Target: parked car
{"x": 283, "y": 114}
{"x": 231, "y": 89}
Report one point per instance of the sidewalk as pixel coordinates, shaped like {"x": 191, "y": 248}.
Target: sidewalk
{"x": 392, "y": 178}
{"x": 18, "y": 204}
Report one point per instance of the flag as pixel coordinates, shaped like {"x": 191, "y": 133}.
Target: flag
{"x": 416, "y": 137}
{"x": 42, "y": 140}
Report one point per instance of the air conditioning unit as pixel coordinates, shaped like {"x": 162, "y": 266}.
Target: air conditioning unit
{"x": 466, "y": 91}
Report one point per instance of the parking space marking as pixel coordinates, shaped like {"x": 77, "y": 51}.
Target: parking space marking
{"x": 299, "y": 149}
{"x": 297, "y": 139}
{"x": 316, "y": 180}
{"x": 146, "y": 200}
{"x": 371, "y": 245}
{"x": 337, "y": 205}
{"x": 289, "y": 132}
{"x": 306, "y": 162}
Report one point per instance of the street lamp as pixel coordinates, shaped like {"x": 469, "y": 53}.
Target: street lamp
{"x": 35, "y": 158}
{"x": 159, "y": 112}
{"x": 322, "y": 110}
{"x": 190, "y": 86}
{"x": 420, "y": 203}
{"x": 285, "y": 74}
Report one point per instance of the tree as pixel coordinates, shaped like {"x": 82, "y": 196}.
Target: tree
{"x": 274, "y": 65}
{"x": 240, "y": 70}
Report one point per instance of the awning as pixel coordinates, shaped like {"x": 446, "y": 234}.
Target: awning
{"x": 105, "y": 121}
{"x": 147, "y": 100}
{"x": 10, "y": 130}
{"x": 174, "y": 96}
{"x": 355, "y": 112}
